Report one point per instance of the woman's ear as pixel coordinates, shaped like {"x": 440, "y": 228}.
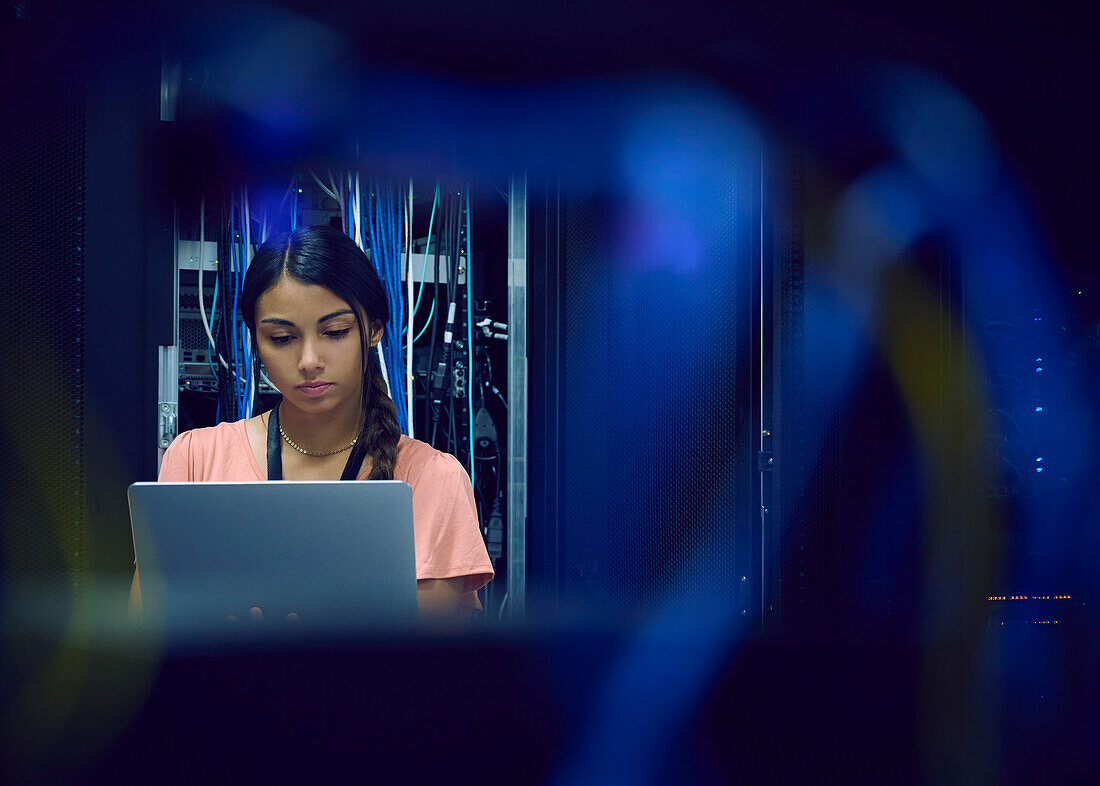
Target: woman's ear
{"x": 376, "y": 333}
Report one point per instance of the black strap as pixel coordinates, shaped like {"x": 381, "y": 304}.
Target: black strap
{"x": 355, "y": 460}
{"x": 274, "y": 446}
{"x": 275, "y": 452}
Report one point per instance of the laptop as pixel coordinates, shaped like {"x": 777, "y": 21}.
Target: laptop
{"x": 274, "y": 558}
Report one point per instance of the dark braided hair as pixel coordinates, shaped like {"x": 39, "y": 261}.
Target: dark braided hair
{"x": 329, "y": 258}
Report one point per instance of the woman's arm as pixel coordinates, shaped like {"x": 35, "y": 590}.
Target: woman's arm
{"x": 439, "y": 598}
{"x": 448, "y": 538}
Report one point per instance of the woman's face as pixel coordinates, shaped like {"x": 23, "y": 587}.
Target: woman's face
{"x": 309, "y": 341}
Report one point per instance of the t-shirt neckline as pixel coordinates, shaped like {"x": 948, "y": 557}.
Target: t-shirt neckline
{"x": 242, "y": 433}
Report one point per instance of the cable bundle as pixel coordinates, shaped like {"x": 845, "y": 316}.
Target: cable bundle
{"x": 229, "y": 340}
{"x": 423, "y": 275}
{"x": 383, "y": 218}
{"x": 380, "y": 225}
{"x": 245, "y": 384}
{"x": 446, "y": 359}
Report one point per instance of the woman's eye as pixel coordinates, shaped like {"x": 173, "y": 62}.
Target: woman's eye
{"x": 337, "y": 333}
{"x": 281, "y": 339}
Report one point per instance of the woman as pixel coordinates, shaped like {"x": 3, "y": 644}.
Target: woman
{"x": 316, "y": 309}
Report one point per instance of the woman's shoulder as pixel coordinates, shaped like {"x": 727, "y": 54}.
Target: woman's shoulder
{"x": 228, "y": 432}
{"x": 416, "y": 458}
{"x": 204, "y": 453}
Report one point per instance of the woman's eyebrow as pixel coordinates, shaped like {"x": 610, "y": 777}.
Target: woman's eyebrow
{"x": 288, "y": 323}
{"x": 327, "y": 317}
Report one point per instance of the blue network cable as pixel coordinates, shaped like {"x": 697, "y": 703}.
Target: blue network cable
{"x": 424, "y": 271}
{"x": 213, "y": 316}
{"x": 383, "y": 230}
{"x": 232, "y": 316}
{"x": 246, "y": 395}
{"x": 427, "y": 322}
{"x": 396, "y": 360}
{"x": 244, "y": 371}
{"x": 397, "y": 316}
{"x": 424, "y": 267}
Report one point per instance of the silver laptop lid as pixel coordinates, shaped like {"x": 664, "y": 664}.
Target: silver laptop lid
{"x": 319, "y": 556}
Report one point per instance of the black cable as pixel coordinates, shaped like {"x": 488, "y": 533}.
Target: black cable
{"x": 496, "y": 466}
{"x": 452, "y": 295}
{"x": 452, "y": 285}
{"x": 442, "y": 385}
{"x": 494, "y": 463}
{"x": 455, "y": 228}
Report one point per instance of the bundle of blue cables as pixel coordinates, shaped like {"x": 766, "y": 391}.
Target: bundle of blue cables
{"x": 242, "y": 349}
{"x": 385, "y": 228}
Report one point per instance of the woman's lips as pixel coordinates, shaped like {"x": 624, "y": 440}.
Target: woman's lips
{"x": 315, "y": 388}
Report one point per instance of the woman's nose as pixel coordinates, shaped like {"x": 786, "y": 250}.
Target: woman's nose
{"x": 310, "y": 359}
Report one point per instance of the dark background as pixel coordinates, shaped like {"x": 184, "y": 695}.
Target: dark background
{"x": 483, "y": 89}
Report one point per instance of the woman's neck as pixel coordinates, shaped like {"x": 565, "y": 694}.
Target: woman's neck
{"x": 320, "y": 432}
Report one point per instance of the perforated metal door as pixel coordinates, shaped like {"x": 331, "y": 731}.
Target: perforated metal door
{"x": 41, "y": 407}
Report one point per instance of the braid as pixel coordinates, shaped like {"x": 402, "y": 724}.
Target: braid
{"x": 381, "y": 431}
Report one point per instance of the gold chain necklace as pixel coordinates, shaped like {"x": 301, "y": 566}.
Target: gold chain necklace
{"x": 303, "y": 451}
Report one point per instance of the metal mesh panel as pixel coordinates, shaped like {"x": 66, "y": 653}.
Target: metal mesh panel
{"x": 192, "y": 334}
{"x": 586, "y": 510}
{"x": 42, "y": 278}
{"x": 652, "y": 418}
{"x": 810, "y": 544}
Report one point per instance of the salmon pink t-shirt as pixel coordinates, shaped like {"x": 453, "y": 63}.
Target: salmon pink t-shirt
{"x": 446, "y": 533}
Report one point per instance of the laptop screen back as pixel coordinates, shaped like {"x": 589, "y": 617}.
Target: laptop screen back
{"x": 329, "y": 556}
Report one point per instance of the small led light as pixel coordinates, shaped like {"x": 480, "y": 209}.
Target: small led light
{"x": 1039, "y": 459}
{"x": 1038, "y": 469}
{"x": 1038, "y": 409}
{"x": 1038, "y": 369}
